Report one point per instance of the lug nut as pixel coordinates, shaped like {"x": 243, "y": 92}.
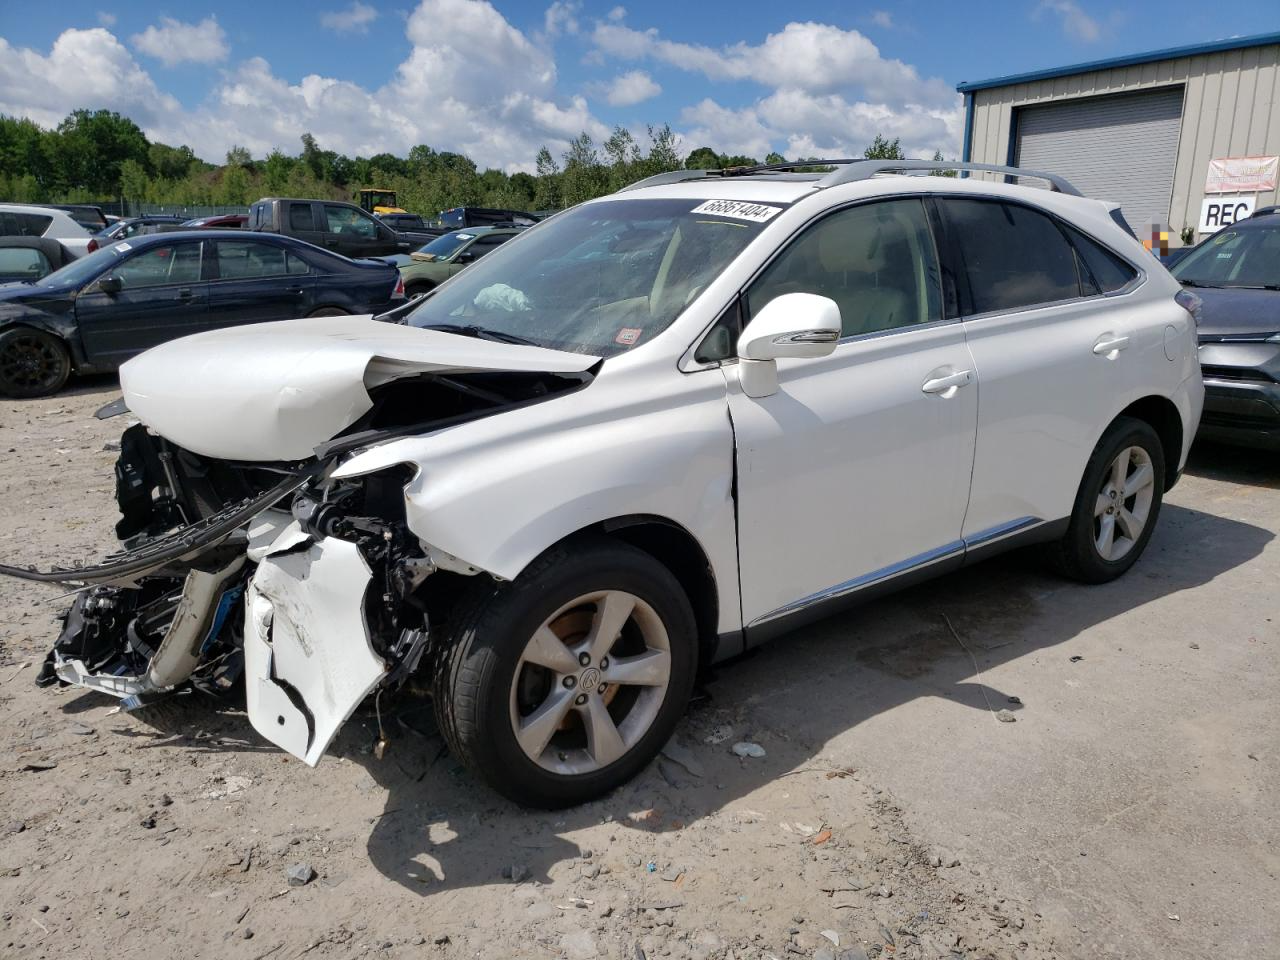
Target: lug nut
{"x": 604, "y": 663}
{"x": 603, "y": 688}
{"x": 584, "y": 659}
{"x": 570, "y": 682}
{"x": 582, "y": 698}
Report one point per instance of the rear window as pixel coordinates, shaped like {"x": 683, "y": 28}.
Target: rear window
{"x": 1015, "y": 257}
{"x": 23, "y": 224}
{"x": 22, "y": 263}
{"x": 1103, "y": 271}
{"x": 300, "y": 217}
{"x": 246, "y": 260}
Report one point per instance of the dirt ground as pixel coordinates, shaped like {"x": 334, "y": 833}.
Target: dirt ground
{"x": 892, "y": 816}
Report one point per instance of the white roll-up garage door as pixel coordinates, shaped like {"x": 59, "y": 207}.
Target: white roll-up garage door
{"x": 1120, "y": 148}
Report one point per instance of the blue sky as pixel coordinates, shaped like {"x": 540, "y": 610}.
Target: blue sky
{"x": 496, "y": 81}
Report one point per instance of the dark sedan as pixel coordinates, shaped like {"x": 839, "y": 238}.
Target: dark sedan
{"x": 114, "y": 303}
{"x": 1236, "y": 275}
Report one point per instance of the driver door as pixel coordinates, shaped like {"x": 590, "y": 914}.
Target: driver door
{"x": 162, "y": 297}
{"x": 857, "y": 469}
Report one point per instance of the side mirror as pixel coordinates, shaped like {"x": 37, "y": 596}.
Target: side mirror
{"x": 110, "y": 284}
{"x": 466, "y": 256}
{"x": 801, "y": 325}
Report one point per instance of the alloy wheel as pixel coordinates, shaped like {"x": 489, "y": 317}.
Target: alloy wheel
{"x": 1124, "y": 502}
{"x": 590, "y": 682}
{"x": 29, "y": 362}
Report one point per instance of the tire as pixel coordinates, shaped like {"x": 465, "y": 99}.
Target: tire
{"x": 328, "y": 312}
{"x": 1100, "y": 503}
{"x": 485, "y": 687}
{"x": 32, "y": 363}
{"x": 417, "y": 289}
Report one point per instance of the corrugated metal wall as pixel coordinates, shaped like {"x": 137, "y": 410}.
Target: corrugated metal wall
{"x": 1231, "y": 108}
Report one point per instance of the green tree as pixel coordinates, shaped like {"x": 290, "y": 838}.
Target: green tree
{"x": 882, "y": 149}
{"x": 92, "y": 146}
{"x": 774, "y": 157}
{"x": 547, "y": 196}
{"x": 171, "y": 163}
{"x": 663, "y": 155}
{"x": 584, "y": 177}
{"x": 134, "y": 181}
{"x": 937, "y": 155}
{"x": 238, "y": 156}
{"x": 703, "y": 158}
{"x": 275, "y": 172}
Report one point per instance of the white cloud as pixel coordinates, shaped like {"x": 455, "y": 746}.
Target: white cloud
{"x": 355, "y": 19}
{"x": 106, "y": 19}
{"x": 882, "y": 18}
{"x": 1075, "y": 22}
{"x": 561, "y": 17}
{"x": 634, "y": 86}
{"x": 177, "y": 42}
{"x": 617, "y": 13}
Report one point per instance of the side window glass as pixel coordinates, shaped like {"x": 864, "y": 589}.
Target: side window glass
{"x": 300, "y": 217}
{"x": 297, "y": 266}
{"x": 349, "y": 222}
{"x": 176, "y": 263}
{"x": 1014, "y": 257}
{"x": 721, "y": 340}
{"x": 33, "y": 224}
{"x": 22, "y": 263}
{"x": 1107, "y": 271}
{"x": 876, "y": 261}
{"x": 240, "y": 260}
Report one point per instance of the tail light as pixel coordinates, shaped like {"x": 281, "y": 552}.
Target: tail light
{"x": 93, "y": 245}
{"x": 398, "y": 292}
{"x": 1189, "y": 302}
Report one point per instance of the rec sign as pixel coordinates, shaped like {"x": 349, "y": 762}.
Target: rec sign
{"x": 1223, "y": 212}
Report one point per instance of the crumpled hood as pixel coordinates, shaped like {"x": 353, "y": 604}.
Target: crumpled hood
{"x": 275, "y": 391}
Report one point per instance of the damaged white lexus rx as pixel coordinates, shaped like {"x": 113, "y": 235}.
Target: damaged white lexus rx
{"x": 643, "y": 436}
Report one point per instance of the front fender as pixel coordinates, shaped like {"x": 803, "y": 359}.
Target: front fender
{"x": 497, "y": 492}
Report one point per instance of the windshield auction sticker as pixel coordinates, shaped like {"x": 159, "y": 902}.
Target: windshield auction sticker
{"x": 738, "y": 210}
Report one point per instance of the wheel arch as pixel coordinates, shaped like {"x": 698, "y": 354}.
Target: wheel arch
{"x": 1161, "y": 414}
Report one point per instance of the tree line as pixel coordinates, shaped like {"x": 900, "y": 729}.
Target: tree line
{"x": 96, "y": 156}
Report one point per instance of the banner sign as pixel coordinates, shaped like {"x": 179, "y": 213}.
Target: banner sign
{"x": 1241, "y": 174}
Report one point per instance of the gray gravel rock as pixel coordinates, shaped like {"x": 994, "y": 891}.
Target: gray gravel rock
{"x": 300, "y": 874}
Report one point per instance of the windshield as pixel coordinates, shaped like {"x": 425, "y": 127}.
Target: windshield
{"x": 442, "y": 247}
{"x": 79, "y": 272}
{"x": 599, "y": 278}
{"x": 1234, "y": 258}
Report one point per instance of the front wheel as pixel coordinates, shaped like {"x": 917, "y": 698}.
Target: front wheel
{"x": 32, "y": 363}
{"x": 1117, "y": 504}
{"x": 328, "y": 312}
{"x": 563, "y": 684}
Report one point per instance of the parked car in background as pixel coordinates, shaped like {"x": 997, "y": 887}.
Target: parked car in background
{"x": 30, "y": 258}
{"x": 222, "y": 221}
{"x": 341, "y": 227}
{"x": 31, "y": 220}
{"x": 1236, "y": 275}
{"x": 443, "y": 257}
{"x": 460, "y": 217}
{"x": 133, "y": 226}
{"x": 90, "y": 217}
{"x": 411, "y": 227}
{"x": 114, "y": 303}
{"x": 554, "y": 495}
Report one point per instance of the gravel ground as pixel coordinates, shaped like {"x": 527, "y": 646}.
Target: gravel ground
{"x": 174, "y": 830}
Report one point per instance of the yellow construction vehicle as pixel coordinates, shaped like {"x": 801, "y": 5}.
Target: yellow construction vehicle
{"x": 379, "y": 201}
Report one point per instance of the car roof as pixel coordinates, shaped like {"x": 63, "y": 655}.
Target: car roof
{"x": 34, "y": 208}
{"x": 170, "y": 236}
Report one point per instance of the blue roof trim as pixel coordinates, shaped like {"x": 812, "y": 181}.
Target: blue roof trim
{"x": 1172, "y": 53}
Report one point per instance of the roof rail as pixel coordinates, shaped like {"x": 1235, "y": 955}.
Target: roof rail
{"x": 683, "y": 176}
{"x": 671, "y": 176}
{"x": 856, "y": 170}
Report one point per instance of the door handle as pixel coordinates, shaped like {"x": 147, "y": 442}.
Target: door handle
{"x": 947, "y": 386}
{"x": 1109, "y": 344}
{"x": 296, "y": 291}
{"x": 185, "y": 293}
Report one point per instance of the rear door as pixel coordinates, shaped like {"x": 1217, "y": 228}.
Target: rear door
{"x": 305, "y": 220}
{"x": 1052, "y": 357}
{"x": 252, "y": 281}
{"x": 162, "y": 297}
{"x": 354, "y": 233}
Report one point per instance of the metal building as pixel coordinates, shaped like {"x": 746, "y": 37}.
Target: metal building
{"x": 1188, "y": 137}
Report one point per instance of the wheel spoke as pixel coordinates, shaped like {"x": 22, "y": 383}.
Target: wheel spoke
{"x": 1139, "y": 480}
{"x": 1106, "y": 536}
{"x": 536, "y": 730}
{"x": 1130, "y": 525}
{"x": 650, "y": 669}
{"x": 548, "y": 650}
{"x": 603, "y": 740}
{"x": 1100, "y": 507}
{"x": 612, "y": 612}
{"x": 1119, "y": 469}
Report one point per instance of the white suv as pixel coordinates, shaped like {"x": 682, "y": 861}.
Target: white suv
{"x": 643, "y": 436}
{"x": 26, "y": 220}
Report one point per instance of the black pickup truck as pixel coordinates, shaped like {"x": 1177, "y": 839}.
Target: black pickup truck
{"x": 341, "y": 227}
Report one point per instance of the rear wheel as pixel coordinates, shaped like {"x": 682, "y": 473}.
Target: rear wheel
{"x": 418, "y": 289}
{"x": 1117, "y": 505}
{"x": 328, "y": 312}
{"x": 560, "y": 686}
{"x": 32, "y": 363}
